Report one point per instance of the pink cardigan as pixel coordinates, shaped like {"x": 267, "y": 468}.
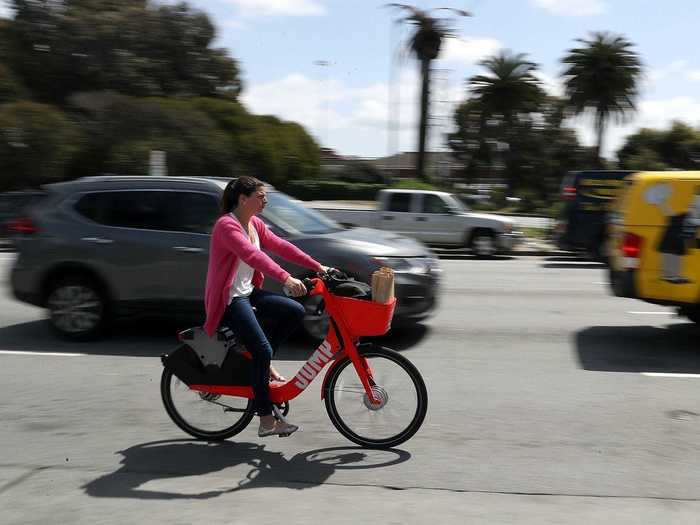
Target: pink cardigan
{"x": 229, "y": 244}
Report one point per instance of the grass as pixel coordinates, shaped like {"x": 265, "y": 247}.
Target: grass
{"x": 542, "y": 234}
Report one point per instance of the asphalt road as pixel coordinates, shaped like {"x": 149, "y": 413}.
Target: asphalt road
{"x": 550, "y": 402}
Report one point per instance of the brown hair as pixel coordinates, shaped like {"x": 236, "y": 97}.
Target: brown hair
{"x": 234, "y": 189}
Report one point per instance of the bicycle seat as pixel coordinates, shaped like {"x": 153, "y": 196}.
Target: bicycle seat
{"x": 210, "y": 350}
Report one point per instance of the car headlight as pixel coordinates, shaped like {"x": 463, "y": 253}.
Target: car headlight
{"x": 409, "y": 264}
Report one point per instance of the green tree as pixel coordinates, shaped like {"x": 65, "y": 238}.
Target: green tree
{"x": 508, "y": 89}
{"x": 425, "y": 43}
{"x": 503, "y": 102}
{"x": 602, "y": 76}
{"x": 134, "y": 47}
{"x": 278, "y": 152}
{"x": 122, "y": 130}
{"x": 10, "y": 87}
{"x": 37, "y": 143}
{"x": 651, "y": 149}
{"x": 533, "y": 154}
{"x": 201, "y": 137}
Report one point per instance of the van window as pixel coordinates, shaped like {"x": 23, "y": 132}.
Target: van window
{"x": 400, "y": 202}
{"x": 434, "y": 204}
{"x": 151, "y": 210}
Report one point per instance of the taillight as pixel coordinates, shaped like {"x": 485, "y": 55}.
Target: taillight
{"x": 631, "y": 245}
{"x": 568, "y": 193}
{"x": 22, "y": 225}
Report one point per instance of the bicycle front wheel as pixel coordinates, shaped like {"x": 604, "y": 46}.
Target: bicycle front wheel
{"x": 400, "y": 389}
{"x": 205, "y": 416}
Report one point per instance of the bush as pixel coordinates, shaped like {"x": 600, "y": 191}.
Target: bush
{"x": 361, "y": 172}
{"x": 530, "y": 201}
{"x": 309, "y": 190}
{"x": 37, "y": 142}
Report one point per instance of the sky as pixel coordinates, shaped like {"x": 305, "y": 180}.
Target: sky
{"x": 340, "y": 67}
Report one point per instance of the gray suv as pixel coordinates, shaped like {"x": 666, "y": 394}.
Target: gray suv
{"x": 101, "y": 248}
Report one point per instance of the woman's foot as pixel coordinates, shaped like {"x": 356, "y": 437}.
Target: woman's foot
{"x": 275, "y": 375}
{"x": 269, "y": 426}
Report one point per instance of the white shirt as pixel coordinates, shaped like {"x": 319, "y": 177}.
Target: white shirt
{"x": 243, "y": 281}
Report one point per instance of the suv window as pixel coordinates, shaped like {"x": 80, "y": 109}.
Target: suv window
{"x": 151, "y": 210}
{"x": 434, "y": 204}
{"x": 194, "y": 212}
{"x": 399, "y": 202}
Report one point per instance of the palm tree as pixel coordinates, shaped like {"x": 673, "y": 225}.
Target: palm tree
{"x": 602, "y": 76}
{"x": 508, "y": 88}
{"x": 425, "y": 43}
{"x": 504, "y": 95}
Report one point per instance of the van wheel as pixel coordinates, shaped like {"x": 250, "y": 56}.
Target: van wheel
{"x": 77, "y": 308}
{"x": 483, "y": 243}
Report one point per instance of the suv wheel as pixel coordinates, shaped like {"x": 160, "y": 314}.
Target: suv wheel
{"x": 483, "y": 243}
{"x": 77, "y": 308}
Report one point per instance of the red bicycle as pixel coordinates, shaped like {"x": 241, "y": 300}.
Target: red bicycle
{"x": 374, "y": 396}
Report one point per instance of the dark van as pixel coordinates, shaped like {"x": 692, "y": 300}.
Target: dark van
{"x": 588, "y": 197}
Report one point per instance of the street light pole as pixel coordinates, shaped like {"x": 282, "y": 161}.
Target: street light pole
{"x": 325, "y": 64}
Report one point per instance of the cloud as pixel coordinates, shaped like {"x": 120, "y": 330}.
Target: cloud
{"x": 675, "y": 68}
{"x": 572, "y": 7}
{"x": 694, "y": 75}
{"x": 470, "y": 50}
{"x": 279, "y": 7}
{"x": 5, "y": 11}
{"x": 551, "y": 84}
{"x": 231, "y": 23}
{"x": 352, "y": 120}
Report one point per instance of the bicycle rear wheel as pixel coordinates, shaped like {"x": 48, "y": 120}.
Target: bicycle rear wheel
{"x": 399, "y": 386}
{"x": 204, "y": 416}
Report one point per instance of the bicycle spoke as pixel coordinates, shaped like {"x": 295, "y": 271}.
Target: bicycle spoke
{"x": 399, "y": 405}
{"x": 202, "y": 416}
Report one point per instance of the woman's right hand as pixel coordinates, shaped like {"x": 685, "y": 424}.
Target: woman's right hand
{"x": 295, "y": 287}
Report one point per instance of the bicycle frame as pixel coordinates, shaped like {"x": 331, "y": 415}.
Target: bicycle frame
{"x": 338, "y": 344}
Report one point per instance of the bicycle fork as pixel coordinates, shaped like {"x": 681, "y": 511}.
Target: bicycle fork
{"x": 364, "y": 370}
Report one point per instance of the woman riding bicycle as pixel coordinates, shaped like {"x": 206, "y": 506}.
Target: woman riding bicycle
{"x": 233, "y": 288}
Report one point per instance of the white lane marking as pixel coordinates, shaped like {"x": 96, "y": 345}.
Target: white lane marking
{"x": 56, "y": 354}
{"x": 664, "y": 374}
{"x": 652, "y": 313}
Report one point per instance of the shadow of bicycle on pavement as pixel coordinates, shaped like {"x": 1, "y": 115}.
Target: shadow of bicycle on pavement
{"x": 171, "y": 461}
{"x": 670, "y": 349}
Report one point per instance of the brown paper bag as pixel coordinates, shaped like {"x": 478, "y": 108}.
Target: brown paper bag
{"x": 383, "y": 285}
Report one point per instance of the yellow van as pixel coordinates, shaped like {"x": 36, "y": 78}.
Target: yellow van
{"x": 654, "y": 245}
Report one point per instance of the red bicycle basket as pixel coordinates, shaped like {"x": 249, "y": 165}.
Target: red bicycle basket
{"x": 365, "y": 317}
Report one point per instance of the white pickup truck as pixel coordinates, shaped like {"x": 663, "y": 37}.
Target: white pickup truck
{"x": 433, "y": 217}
